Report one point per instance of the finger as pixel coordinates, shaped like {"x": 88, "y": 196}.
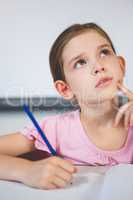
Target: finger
{"x": 66, "y": 165}
{"x": 60, "y": 183}
{"x": 118, "y": 118}
{"x": 127, "y": 118}
{"x": 63, "y": 174}
{"x": 126, "y": 91}
{"x": 49, "y": 186}
{"x": 120, "y": 113}
{"x": 131, "y": 119}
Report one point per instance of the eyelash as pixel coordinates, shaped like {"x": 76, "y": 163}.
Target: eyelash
{"x": 106, "y": 51}
{"x": 83, "y": 61}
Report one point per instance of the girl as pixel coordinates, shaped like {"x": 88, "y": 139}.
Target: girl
{"x": 86, "y": 70}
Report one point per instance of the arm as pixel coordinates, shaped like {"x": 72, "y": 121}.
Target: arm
{"x": 49, "y": 173}
{"x": 13, "y": 168}
{"x": 15, "y": 144}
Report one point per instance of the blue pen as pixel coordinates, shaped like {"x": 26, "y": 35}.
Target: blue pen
{"x": 51, "y": 149}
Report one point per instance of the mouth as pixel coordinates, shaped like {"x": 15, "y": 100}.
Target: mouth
{"x": 104, "y": 82}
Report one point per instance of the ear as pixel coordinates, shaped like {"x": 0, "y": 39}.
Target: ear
{"x": 122, "y": 64}
{"x": 63, "y": 89}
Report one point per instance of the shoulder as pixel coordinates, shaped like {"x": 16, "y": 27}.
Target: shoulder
{"x": 67, "y": 116}
{"x": 52, "y": 124}
{"x": 70, "y": 115}
{"x": 61, "y": 119}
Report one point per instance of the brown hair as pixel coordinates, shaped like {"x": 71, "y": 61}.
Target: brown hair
{"x": 55, "y": 56}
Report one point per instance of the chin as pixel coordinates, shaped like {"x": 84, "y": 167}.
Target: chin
{"x": 101, "y": 96}
{"x": 108, "y": 94}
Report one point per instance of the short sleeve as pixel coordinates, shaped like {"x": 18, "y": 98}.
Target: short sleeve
{"x": 49, "y": 127}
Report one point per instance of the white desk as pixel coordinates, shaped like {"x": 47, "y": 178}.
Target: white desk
{"x": 90, "y": 183}
{"x": 86, "y": 185}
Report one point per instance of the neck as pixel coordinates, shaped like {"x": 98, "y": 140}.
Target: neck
{"x": 101, "y": 114}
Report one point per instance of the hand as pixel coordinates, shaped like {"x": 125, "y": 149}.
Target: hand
{"x": 50, "y": 173}
{"x": 126, "y": 110}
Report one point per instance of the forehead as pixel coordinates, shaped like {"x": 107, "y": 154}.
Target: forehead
{"x": 87, "y": 41}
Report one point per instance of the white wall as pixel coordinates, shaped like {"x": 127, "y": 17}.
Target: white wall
{"x": 29, "y": 27}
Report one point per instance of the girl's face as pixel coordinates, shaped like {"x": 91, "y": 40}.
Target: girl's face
{"x": 87, "y": 59}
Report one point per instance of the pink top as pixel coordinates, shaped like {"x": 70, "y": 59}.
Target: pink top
{"x": 67, "y": 136}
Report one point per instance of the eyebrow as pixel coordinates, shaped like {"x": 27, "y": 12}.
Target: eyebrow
{"x": 78, "y": 56}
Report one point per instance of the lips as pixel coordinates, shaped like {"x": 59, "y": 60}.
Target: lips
{"x": 103, "y": 81}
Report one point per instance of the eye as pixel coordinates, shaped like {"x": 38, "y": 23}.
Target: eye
{"x": 105, "y": 52}
{"x": 80, "y": 63}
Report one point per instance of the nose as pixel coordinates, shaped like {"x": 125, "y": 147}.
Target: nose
{"x": 97, "y": 70}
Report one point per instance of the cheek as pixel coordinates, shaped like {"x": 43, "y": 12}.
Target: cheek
{"x": 118, "y": 74}
{"x": 79, "y": 84}
{"x": 116, "y": 70}
{"x": 74, "y": 79}
{"x": 83, "y": 88}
